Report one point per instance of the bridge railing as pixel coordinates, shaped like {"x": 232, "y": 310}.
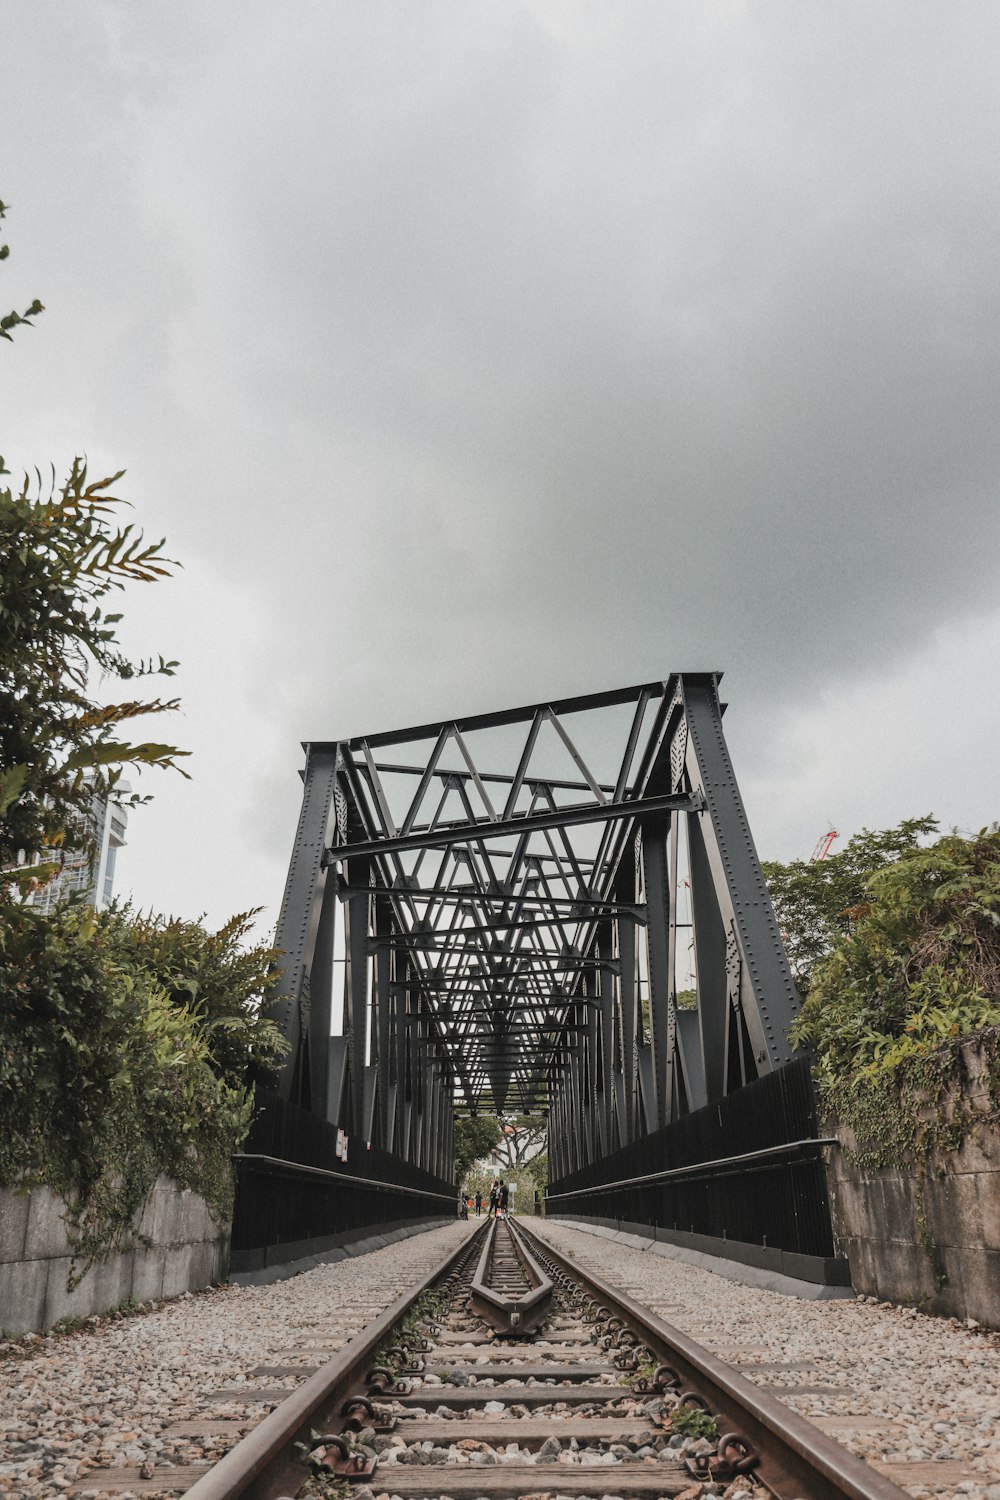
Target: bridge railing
{"x": 743, "y": 1178}
{"x": 295, "y": 1197}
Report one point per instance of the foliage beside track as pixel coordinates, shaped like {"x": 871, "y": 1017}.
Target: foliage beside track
{"x": 115, "y": 1066}
{"x": 914, "y": 976}
{"x": 128, "y": 1043}
{"x": 817, "y": 901}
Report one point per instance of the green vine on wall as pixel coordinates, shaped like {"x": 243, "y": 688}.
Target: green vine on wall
{"x": 126, "y": 1046}
{"x": 903, "y": 1115}
{"x": 890, "y": 1008}
{"x": 902, "y": 1014}
{"x": 912, "y": 1117}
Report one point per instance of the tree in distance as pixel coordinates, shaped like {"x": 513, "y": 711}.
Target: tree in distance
{"x": 475, "y": 1137}
{"x": 816, "y": 901}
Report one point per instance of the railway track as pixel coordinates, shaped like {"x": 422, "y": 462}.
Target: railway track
{"x": 505, "y": 1373}
{"x": 510, "y": 1291}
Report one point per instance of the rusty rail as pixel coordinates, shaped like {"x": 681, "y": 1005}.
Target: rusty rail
{"x": 515, "y": 1314}
{"x": 261, "y": 1465}
{"x": 796, "y": 1458}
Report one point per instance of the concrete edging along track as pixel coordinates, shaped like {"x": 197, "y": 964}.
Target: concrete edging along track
{"x": 362, "y": 1245}
{"x": 732, "y": 1270}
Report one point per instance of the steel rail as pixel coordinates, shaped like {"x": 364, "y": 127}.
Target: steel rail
{"x": 797, "y": 1459}
{"x": 260, "y": 1466}
{"x": 518, "y": 1315}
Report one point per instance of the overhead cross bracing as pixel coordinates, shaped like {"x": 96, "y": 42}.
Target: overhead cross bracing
{"x": 523, "y": 896}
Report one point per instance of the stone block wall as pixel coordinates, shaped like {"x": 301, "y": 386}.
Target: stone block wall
{"x": 187, "y": 1250}
{"x": 904, "y": 1229}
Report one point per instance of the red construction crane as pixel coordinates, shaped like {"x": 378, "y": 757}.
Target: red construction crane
{"x": 822, "y": 849}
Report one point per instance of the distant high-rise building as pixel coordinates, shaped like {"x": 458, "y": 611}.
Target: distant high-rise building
{"x": 94, "y": 878}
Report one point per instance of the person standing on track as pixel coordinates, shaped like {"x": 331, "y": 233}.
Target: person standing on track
{"x": 504, "y": 1197}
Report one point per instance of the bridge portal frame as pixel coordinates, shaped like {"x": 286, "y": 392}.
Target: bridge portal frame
{"x": 526, "y": 949}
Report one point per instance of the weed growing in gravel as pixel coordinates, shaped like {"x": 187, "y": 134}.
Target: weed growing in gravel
{"x": 692, "y": 1422}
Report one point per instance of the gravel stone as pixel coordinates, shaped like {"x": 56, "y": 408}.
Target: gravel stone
{"x": 926, "y": 1376}
{"x": 103, "y": 1397}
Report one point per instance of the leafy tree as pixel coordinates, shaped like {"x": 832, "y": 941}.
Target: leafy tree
{"x": 522, "y": 1138}
{"x": 511, "y": 1140}
{"x": 536, "y": 1171}
{"x": 817, "y": 901}
{"x": 920, "y": 966}
{"x": 63, "y": 555}
{"x": 475, "y": 1137}
{"x": 59, "y": 747}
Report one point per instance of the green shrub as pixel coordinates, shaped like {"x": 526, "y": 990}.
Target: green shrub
{"x": 108, "y": 1078}
{"x": 216, "y": 975}
{"x": 916, "y": 975}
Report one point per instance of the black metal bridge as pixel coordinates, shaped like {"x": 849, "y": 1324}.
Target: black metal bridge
{"x": 553, "y": 908}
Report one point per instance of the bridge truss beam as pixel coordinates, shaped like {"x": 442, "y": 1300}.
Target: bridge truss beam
{"x": 481, "y": 915}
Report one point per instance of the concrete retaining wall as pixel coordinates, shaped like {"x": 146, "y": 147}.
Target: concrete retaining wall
{"x": 188, "y": 1249}
{"x": 902, "y": 1230}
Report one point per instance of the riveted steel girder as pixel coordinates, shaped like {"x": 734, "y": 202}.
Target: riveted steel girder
{"x": 559, "y": 903}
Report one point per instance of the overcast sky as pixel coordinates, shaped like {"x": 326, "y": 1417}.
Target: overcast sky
{"x": 469, "y": 354}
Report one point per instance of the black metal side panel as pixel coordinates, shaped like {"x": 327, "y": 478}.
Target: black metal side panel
{"x": 295, "y": 1196}
{"x": 745, "y": 1171}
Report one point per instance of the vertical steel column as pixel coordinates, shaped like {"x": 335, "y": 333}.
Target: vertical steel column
{"x": 434, "y": 1138}
{"x": 321, "y": 1002}
{"x": 606, "y": 994}
{"x": 592, "y": 1073}
{"x": 575, "y": 1113}
{"x": 421, "y": 1099}
{"x": 303, "y": 910}
{"x": 619, "y": 1060}
{"x": 404, "y": 1064}
{"x": 662, "y": 1026}
{"x": 763, "y": 988}
{"x": 448, "y": 1170}
{"x": 557, "y": 1133}
{"x": 356, "y": 1003}
{"x": 564, "y": 1126}
{"x": 381, "y": 1054}
{"x": 710, "y": 963}
{"x": 629, "y": 1010}
{"x": 688, "y": 1034}
{"x": 393, "y": 1067}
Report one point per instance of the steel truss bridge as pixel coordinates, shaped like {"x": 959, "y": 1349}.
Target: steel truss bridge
{"x": 556, "y": 908}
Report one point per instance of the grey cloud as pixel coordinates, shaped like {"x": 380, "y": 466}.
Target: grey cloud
{"x": 509, "y": 350}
